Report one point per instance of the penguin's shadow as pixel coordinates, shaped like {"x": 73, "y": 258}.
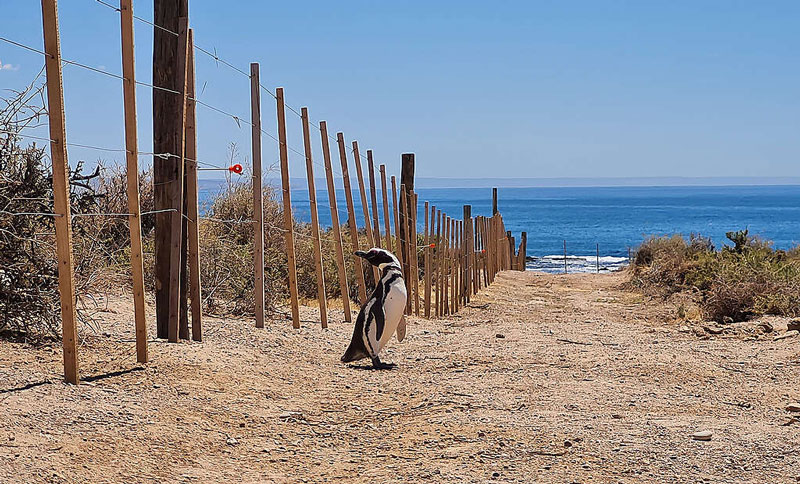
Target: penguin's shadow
{"x": 370, "y": 368}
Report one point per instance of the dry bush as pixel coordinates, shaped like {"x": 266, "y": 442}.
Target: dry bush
{"x": 732, "y": 284}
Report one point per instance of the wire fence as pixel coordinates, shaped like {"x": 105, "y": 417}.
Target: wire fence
{"x": 456, "y": 259}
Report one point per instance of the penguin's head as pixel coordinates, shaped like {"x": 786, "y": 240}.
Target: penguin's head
{"x": 380, "y": 258}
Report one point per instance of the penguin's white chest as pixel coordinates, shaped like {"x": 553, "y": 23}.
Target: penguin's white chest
{"x": 393, "y": 308}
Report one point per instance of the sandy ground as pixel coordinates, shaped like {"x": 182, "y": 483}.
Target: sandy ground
{"x": 546, "y": 378}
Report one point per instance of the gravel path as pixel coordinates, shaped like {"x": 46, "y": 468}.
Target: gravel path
{"x": 545, "y": 378}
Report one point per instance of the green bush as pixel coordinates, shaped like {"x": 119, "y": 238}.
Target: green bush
{"x": 732, "y": 284}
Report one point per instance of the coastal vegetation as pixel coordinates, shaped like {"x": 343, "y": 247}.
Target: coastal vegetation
{"x": 740, "y": 280}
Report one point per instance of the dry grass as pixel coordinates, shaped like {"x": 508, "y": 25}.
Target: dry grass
{"x": 731, "y": 284}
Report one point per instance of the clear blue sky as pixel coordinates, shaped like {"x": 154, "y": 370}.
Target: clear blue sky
{"x": 475, "y": 88}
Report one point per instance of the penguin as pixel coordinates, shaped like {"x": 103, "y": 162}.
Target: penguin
{"x": 382, "y": 314}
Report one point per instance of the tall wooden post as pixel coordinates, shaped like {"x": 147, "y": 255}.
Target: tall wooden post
{"x": 258, "y": 192}
{"x": 468, "y": 250}
{"x": 428, "y": 268}
{"x": 494, "y": 201}
{"x": 362, "y": 193}
{"x": 168, "y": 133}
{"x": 192, "y": 200}
{"x": 376, "y": 229}
{"x": 176, "y": 261}
{"x": 351, "y": 215}
{"x": 407, "y": 271}
{"x": 524, "y": 251}
{"x": 63, "y": 219}
{"x": 414, "y": 252}
{"x": 288, "y": 221}
{"x": 437, "y": 263}
{"x": 386, "y": 221}
{"x": 407, "y": 181}
{"x": 398, "y": 245}
{"x": 337, "y": 233}
{"x": 132, "y": 166}
{"x": 312, "y": 199}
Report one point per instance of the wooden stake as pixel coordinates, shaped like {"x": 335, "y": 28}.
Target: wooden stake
{"x": 132, "y": 175}
{"x": 258, "y": 193}
{"x": 364, "y": 205}
{"x": 386, "y": 221}
{"x": 337, "y": 234}
{"x": 448, "y": 257}
{"x": 192, "y": 201}
{"x": 524, "y": 251}
{"x": 399, "y": 251}
{"x": 168, "y": 136}
{"x": 407, "y": 181}
{"x": 468, "y": 252}
{"x": 176, "y": 191}
{"x": 437, "y": 263}
{"x": 406, "y": 248}
{"x": 312, "y": 198}
{"x": 376, "y": 229}
{"x": 453, "y": 266}
{"x": 494, "y": 201}
{"x": 58, "y": 154}
{"x": 351, "y": 215}
{"x": 362, "y": 192}
{"x": 414, "y": 251}
{"x": 428, "y": 268}
{"x": 288, "y": 222}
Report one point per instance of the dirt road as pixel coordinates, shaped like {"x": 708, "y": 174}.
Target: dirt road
{"x": 546, "y": 378}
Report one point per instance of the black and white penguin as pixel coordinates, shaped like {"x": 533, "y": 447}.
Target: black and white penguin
{"x": 382, "y": 314}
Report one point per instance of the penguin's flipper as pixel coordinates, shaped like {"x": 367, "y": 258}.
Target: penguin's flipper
{"x": 401, "y": 328}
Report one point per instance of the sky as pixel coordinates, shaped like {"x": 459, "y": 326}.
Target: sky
{"x": 474, "y": 88}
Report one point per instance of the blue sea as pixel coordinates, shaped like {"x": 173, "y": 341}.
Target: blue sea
{"x": 615, "y": 219}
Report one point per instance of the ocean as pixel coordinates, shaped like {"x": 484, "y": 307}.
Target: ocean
{"x": 615, "y": 219}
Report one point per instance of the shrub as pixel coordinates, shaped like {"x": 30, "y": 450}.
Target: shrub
{"x": 750, "y": 278}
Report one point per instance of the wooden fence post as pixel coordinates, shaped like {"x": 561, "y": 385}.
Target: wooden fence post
{"x": 376, "y": 229}
{"x": 414, "y": 251}
{"x": 407, "y": 270}
{"x": 258, "y": 194}
{"x": 446, "y": 265}
{"x": 399, "y": 251}
{"x": 511, "y": 253}
{"x": 437, "y": 262}
{"x": 406, "y": 185}
{"x": 524, "y": 251}
{"x": 428, "y": 267}
{"x": 168, "y": 136}
{"x": 351, "y": 215}
{"x": 386, "y": 221}
{"x": 192, "y": 200}
{"x": 337, "y": 234}
{"x": 287, "y": 207}
{"x": 468, "y": 253}
{"x": 494, "y": 201}
{"x": 362, "y": 193}
{"x": 454, "y": 266}
{"x": 132, "y": 175}
{"x": 63, "y": 219}
{"x": 176, "y": 191}
{"x": 312, "y": 200}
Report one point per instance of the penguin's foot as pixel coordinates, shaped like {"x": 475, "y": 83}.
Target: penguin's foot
{"x": 377, "y": 364}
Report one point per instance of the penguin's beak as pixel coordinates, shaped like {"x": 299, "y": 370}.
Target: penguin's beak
{"x": 360, "y": 253}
